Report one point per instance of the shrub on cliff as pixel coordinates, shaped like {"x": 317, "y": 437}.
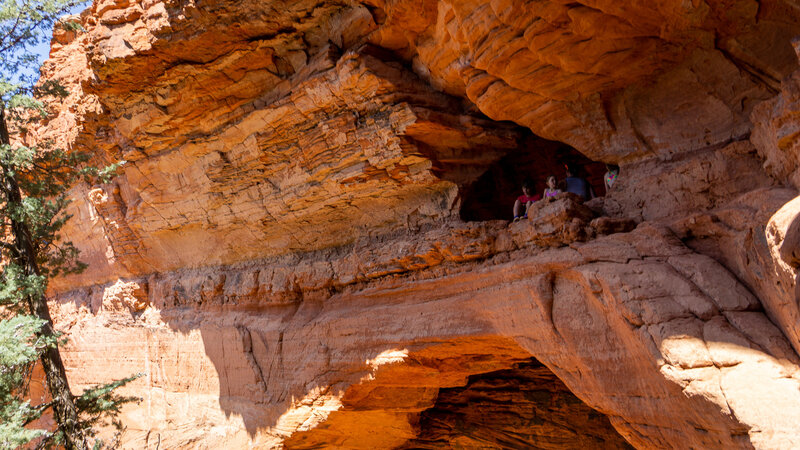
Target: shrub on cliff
{"x": 33, "y": 186}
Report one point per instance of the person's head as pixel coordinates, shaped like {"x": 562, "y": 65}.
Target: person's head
{"x": 528, "y": 187}
{"x": 571, "y": 170}
{"x": 551, "y": 182}
{"x": 612, "y": 168}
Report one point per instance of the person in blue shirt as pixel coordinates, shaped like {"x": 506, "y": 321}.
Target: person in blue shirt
{"x": 577, "y": 184}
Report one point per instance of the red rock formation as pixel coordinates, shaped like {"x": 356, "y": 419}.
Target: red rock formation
{"x": 599, "y": 74}
{"x": 775, "y": 129}
{"x": 282, "y": 255}
{"x": 626, "y": 321}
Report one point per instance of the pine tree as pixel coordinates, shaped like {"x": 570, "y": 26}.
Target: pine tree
{"x": 33, "y": 186}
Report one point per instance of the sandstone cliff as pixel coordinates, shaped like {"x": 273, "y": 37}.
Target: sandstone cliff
{"x": 284, "y": 258}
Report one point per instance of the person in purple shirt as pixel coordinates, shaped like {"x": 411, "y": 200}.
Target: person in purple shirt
{"x": 551, "y": 190}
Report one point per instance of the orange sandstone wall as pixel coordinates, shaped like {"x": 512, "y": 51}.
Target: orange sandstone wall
{"x": 282, "y": 256}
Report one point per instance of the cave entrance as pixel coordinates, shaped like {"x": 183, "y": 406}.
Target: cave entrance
{"x": 492, "y": 195}
{"x": 526, "y": 406}
{"x": 463, "y": 393}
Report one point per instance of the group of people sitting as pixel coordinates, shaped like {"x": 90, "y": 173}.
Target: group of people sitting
{"x": 573, "y": 182}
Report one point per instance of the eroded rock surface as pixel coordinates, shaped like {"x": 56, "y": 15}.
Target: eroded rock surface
{"x": 600, "y": 74}
{"x": 282, "y": 255}
{"x": 627, "y": 321}
{"x": 775, "y": 130}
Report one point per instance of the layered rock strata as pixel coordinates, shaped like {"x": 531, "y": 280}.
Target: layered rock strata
{"x": 635, "y": 324}
{"x": 282, "y": 255}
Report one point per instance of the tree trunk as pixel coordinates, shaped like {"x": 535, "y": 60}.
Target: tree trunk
{"x": 66, "y": 412}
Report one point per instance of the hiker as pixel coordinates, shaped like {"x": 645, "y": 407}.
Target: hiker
{"x": 525, "y": 200}
{"x": 576, "y": 184}
{"x": 552, "y": 187}
{"x": 612, "y": 172}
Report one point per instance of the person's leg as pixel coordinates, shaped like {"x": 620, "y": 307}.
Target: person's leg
{"x": 517, "y": 209}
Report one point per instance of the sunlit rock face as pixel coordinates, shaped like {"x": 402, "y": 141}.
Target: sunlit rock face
{"x": 284, "y": 257}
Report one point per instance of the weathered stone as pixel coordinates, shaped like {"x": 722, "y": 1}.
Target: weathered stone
{"x": 776, "y": 132}
{"x": 379, "y": 353}
{"x": 553, "y": 222}
{"x": 610, "y": 225}
{"x": 281, "y": 255}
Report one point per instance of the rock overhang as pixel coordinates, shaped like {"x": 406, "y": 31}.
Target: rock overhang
{"x": 317, "y": 110}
